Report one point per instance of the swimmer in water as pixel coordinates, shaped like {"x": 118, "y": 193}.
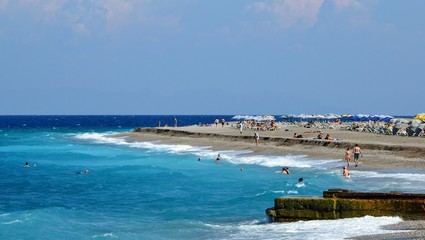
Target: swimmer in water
{"x": 27, "y": 165}
{"x": 85, "y": 172}
{"x": 217, "y": 160}
{"x": 285, "y": 170}
{"x": 345, "y": 172}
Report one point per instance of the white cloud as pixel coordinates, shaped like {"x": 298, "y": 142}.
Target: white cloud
{"x": 289, "y": 13}
{"x": 83, "y": 16}
{"x": 343, "y": 4}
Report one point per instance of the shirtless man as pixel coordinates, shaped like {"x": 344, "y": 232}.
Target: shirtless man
{"x": 216, "y": 122}
{"x": 357, "y": 153}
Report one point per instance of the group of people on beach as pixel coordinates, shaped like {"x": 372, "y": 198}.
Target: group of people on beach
{"x": 217, "y": 121}
{"x": 357, "y": 152}
{"x": 319, "y": 136}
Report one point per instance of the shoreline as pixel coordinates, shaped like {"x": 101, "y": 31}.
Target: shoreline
{"x": 380, "y": 152}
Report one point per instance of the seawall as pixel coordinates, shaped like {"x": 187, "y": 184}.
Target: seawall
{"x": 339, "y": 203}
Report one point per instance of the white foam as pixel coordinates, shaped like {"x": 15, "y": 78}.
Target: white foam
{"x": 235, "y": 157}
{"x": 284, "y": 160}
{"x": 12, "y": 222}
{"x": 101, "y": 138}
{"x": 318, "y": 229}
{"x": 108, "y": 235}
{"x": 404, "y": 176}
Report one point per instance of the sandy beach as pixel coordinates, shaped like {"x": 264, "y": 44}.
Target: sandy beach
{"x": 380, "y": 151}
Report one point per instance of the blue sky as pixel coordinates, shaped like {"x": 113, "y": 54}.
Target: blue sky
{"x": 212, "y": 57}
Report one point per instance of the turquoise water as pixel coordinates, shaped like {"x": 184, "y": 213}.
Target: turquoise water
{"x": 150, "y": 190}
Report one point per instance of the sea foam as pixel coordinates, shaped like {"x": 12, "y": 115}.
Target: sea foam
{"x": 317, "y": 229}
{"x": 231, "y": 156}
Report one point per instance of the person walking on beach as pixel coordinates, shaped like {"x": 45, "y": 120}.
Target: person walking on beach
{"x": 240, "y": 127}
{"x": 223, "y": 122}
{"x": 348, "y": 156}
{"x": 357, "y": 153}
{"x": 216, "y": 122}
{"x": 257, "y": 138}
{"x": 175, "y": 122}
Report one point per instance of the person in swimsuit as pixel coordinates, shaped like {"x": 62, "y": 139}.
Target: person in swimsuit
{"x": 298, "y": 135}
{"x": 345, "y": 172}
{"x": 216, "y": 122}
{"x": 357, "y": 153}
{"x": 285, "y": 170}
{"x": 217, "y": 160}
{"x": 257, "y": 138}
{"x": 348, "y": 156}
{"x": 240, "y": 127}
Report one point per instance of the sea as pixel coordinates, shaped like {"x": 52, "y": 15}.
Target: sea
{"x": 152, "y": 190}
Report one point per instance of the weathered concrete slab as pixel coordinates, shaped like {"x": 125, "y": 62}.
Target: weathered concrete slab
{"x": 340, "y": 203}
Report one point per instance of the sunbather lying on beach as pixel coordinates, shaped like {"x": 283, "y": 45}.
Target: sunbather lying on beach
{"x": 298, "y": 135}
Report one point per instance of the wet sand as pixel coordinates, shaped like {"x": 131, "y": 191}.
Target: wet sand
{"x": 380, "y": 151}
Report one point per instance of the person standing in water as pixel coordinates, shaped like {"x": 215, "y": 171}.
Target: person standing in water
{"x": 217, "y": 160}
{"x": 345, "y": 172}
{"x": 357, "y": 153}
{"x": 285, "y": 170}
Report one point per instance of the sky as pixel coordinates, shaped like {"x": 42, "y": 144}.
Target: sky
{"x": 174, "y": 57}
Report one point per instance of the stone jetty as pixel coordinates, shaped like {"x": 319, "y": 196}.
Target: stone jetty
{"x": 341, "y": 203}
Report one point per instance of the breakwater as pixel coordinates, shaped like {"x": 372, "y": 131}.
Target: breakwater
{"x": 340, "y": 203}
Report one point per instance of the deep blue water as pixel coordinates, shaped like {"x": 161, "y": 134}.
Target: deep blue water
{"x": 99, "y": 122}
{"x": 149, "y": 190}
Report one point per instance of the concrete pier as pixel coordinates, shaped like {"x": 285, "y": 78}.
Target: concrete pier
{"x": 341, "y": 203}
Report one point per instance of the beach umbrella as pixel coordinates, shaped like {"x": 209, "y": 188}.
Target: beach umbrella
{"x": 420, "y": 116}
